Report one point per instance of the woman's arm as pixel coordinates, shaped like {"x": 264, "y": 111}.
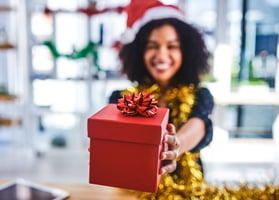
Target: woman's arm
{"x": 195, "y": 134}
{"x": 176, "y": 143}
{"x": 190, "y": 134}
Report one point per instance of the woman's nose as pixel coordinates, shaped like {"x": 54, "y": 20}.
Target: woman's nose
{"x": 162, "y": 53}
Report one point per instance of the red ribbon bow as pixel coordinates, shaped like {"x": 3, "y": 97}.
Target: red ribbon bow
{"x": 143, "y": 104}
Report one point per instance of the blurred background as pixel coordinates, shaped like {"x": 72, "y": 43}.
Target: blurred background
{"x": 59, "y": 64}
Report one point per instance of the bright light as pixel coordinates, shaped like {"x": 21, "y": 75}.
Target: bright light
{"x": 222, "y": 66}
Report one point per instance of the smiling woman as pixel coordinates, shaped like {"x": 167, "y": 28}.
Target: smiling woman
{"x": 163, "y": 56}
{"x": 167, "y": 58}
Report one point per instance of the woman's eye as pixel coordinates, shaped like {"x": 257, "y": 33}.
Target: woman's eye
{"x": 173, "y": 47}
{"x": 151, "y": 47}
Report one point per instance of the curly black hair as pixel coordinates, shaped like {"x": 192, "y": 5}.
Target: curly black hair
{"x": 194, "y": 51}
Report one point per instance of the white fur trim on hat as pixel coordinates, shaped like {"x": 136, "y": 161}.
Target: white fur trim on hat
{"x": 159, "y": 12}
{"x": 128, "y": 36}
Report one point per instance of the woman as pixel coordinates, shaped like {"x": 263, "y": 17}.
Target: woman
{"x": 167, "y": 58}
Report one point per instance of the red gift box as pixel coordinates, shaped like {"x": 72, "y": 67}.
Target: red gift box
{"x": 125, "y": 150}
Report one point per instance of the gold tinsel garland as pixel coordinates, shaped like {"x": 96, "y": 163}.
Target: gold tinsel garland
{"x": 187, "y": 182}
{"x": 180, "y": 100}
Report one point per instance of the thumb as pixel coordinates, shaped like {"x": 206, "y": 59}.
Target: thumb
{"x": 171, "y": 129}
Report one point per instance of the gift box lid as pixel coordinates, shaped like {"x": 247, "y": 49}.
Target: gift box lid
{"x": 110, "y": 124}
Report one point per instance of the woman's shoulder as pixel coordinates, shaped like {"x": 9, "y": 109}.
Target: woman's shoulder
{"x": 204, "y": 98}
{"x": 204, "y": 92}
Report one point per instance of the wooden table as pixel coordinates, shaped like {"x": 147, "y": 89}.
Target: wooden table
{"x": 94, "y": 192}
{"x": 90, "y": 191}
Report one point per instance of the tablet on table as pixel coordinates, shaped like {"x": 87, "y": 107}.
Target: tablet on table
{"x": 21, "y": 189}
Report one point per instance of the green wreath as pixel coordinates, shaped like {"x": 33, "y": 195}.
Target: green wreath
{"x": 89, "y": 49}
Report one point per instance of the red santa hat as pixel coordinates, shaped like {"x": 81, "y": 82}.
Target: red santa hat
{"x": 140, "y": 12}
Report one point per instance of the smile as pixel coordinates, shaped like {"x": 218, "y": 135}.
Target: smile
{"x": 162, "y": 66}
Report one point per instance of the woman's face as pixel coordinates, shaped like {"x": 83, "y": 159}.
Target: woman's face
{"x": 163, "y": 56}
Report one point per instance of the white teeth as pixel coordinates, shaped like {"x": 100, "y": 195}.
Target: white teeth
{"x": 162, "y": 66}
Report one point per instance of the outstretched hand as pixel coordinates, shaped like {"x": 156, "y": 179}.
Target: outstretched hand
{"x": 170, "y": 151}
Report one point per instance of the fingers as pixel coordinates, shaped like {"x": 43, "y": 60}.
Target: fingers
{"x": 172, "y": 141}
{"x": 171, "y": 129}
{"x": 170, "y": 137}
{"x": 170, "y": 155}
{"x": 169, "y": 161}
{"x": 169, "y": 168}
{"x": 170, "y": 150}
